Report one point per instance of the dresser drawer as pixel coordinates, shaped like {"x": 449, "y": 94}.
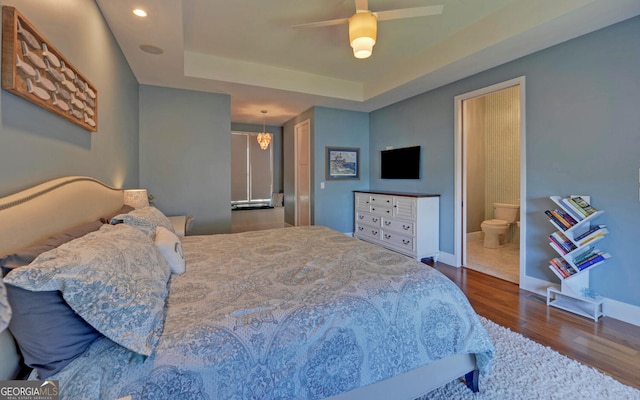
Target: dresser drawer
{"x": 398, "y": 240}
{"x": 381, "y": 200}
{"x": 368, "y": 219}
{"x": 381, "y": 210}
{"x": 368, "y": 231}
{"x": 406, "y": 227}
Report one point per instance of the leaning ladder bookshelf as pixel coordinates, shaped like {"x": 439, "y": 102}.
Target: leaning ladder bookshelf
{"x": 574, "y": 241}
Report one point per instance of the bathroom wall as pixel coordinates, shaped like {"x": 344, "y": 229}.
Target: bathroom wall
{"x": 502, "y": 144}
{"x": 473, "y": 127}
{"x": 491, "y": 127}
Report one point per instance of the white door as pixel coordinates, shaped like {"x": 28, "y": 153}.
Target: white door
{"x": 302, "y": 174}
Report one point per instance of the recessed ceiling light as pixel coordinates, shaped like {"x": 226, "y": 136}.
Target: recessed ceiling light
{"x": 151, "y": 49}
{"x": 139, "y": 12}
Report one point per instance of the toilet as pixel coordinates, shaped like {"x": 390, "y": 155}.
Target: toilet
{"x": 495, "y": 230}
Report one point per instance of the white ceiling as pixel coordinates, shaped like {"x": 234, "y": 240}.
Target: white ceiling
{"x": 249, "y": 50}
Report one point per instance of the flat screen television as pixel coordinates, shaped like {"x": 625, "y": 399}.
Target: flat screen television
{"x": 401, "y": 163}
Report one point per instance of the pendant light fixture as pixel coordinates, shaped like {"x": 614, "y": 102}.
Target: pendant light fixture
{"x": 264, "y": 138}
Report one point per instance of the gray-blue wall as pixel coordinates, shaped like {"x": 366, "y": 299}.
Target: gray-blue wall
{"x": 37, "y": 145}
{"x": 582, "y": 137}
{"x": 185, "y": 155}
{"x": 333, "y": 205}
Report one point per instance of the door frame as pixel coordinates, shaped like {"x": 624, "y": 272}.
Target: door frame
{"x": 460, "y": 211}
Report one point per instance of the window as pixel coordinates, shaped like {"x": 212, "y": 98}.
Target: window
{"x": 251, "y": 170}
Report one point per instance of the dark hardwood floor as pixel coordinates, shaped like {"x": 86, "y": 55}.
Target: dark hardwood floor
{"x": 608, "y": 345}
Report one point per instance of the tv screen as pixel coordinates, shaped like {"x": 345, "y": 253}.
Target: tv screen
{"x": 402, "y": 163}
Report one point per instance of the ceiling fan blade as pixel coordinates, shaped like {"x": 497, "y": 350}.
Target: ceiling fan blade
{"x": 362, "y": 5}
{"x": 320, "y": 24}
{"x": 409, "y": 12}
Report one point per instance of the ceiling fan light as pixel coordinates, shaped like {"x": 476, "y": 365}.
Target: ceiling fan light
{"x": 362, "y": 33}
{"x": 362, "y": 47}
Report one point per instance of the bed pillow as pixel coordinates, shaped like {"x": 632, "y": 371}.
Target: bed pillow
{"x": 146, "y": 219}
{"x": 27, "y": 255}
{"x": 171, "y": 248}
{"x": 67, "y": 335}
{"x": 5, "y": 309}
{"x": 115, "y": 279}
{"x": 124, "y": 210}
{"x": 48, "y": 332}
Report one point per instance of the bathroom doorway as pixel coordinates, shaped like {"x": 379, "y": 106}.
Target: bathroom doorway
{"x": 490, "y": 184}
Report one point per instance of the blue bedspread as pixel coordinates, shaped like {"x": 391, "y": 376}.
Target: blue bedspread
{"x": 294, "y": 313}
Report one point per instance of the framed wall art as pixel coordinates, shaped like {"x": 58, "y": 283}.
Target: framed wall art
{"x": 33, "y": 69}
{"x": 343, "y": 163}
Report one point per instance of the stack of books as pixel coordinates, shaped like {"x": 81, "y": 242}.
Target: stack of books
{"x": 561, "y": 218}
{"x": 594, "y": 232}
{"x": 588, "y": 258}
{"x": 579, "y": 206}
{"x": 562, "y": 267}
{"x": 561, "y": 243}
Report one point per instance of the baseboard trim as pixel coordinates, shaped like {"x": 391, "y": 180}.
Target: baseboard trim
{"x": 447, "y": 258}
{"x": 612, "y": 308}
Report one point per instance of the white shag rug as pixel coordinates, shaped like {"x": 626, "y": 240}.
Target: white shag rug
{"x": 523, "y": 369}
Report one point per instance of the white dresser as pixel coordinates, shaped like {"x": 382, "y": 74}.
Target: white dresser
{"x": 408, "y": 223}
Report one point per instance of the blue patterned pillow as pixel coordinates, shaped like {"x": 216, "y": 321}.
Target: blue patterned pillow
{"x": 5, "y": 309}
{"x": 115, "y": 279}
{"x": 146, "y": 219}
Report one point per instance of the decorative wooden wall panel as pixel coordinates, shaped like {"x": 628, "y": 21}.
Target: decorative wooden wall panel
{"x": 35, "y": 70}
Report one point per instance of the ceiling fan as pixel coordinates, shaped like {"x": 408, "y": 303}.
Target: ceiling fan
{"x": 363, "y": 24}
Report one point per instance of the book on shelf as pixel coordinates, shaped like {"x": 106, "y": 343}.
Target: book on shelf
{"x": 562, "y": 266}
{"x": 592, "y": 260}
{"x": 573, "y": 209}
{"x": 561, "y": 274}
{"x": 556, "y": 246}
{"x": 592, "y": 230}
{"x": 590, "y": 238}
{"x": 581, "y": 205}
{"x": 561, "y": 240}
{"x": 586, "y": 253}
{"x": 561, "y": 218}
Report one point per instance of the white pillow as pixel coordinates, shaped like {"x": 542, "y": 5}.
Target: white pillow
{"x": 171, "y": 248}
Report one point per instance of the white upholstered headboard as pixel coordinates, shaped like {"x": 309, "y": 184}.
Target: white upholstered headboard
{"x": 34, "y": 214}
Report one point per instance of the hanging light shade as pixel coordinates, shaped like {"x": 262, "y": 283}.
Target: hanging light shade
{"x": 264, "y": 138}
{"x": 363, "y": 30}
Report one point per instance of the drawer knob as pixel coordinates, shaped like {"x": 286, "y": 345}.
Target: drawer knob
{"x": 405, "y": 241}
{"x": 361, "y": 216}
{"x": 360, "y": 228}
{"x": 406, "y": 227}
{"x": 374, "y": 219}
{"x": 387, "y": 223}
{"x": 375, "y": 232}
{"x": 387, "y": 236}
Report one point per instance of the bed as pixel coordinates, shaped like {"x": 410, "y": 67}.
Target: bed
{"x": 303, "y": 312}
